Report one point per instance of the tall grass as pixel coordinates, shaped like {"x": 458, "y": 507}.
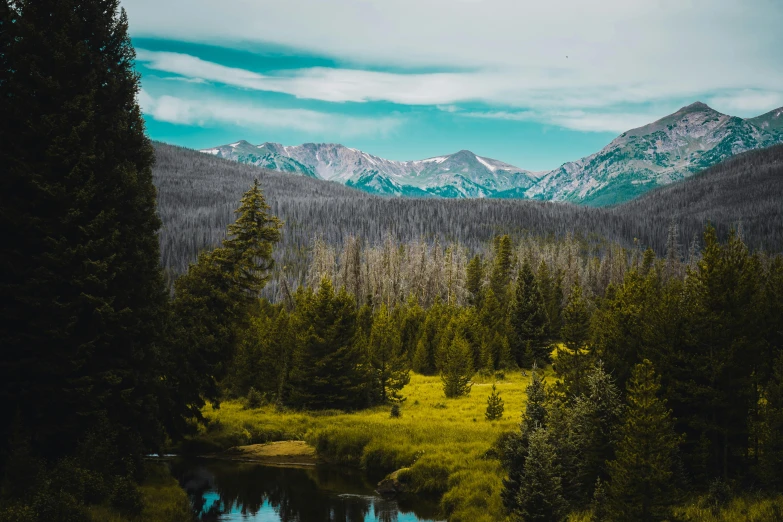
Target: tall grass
{"x": 440, "y": 444}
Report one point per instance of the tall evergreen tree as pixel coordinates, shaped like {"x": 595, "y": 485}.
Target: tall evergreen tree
{"x": 82, "y": 299}
{"x": 500, "y": 277}
{"x": 516, "y": 449}
{"x": 389, "y": 367}
{"x": 215, "y": 299}
{"x": 456, "y": 367}
{"x": 641, "y": 486}
{"x": 540, "y": 496}
{"x": 475, "y": 277}
{"x": 330, "y": 369}
{"x": 528, "y": 319}
{"x": 574, "y": 359}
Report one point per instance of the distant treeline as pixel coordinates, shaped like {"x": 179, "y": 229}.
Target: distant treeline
{"x": 197, "y": 194}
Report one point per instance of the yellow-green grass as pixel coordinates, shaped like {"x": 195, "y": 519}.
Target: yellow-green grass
{"x": 744, "y": 508}
{"x": 442, "y": 443}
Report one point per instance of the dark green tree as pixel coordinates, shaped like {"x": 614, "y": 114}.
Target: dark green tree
{"x": 540, "y": 495}
{"x": 82, "y": 299}
{"x": 330, "y": 370}
{"x": 574, "y": 358}
{"x": 475, "y": 278}
{"x": 389, "y": 367}
{"x": 641, "y": 476}
{"x": 456, "y": 367}
{"x": 516, "y": 448}
{"x": 528, "y": 319}
{"x": 500, "y": 277}
{"x": 495, "y": 405}
{"x": 216, "y": 299}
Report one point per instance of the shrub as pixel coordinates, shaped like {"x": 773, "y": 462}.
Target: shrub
{"x": 395, "y": 411}
{"x": 254, "y": 399}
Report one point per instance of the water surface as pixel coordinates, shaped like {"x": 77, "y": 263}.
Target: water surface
{"x": 227, "y": 491}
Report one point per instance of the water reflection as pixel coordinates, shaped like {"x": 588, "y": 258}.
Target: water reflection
{"x": 230, "y": 491}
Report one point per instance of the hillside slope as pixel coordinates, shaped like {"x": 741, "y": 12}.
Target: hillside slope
{"x": 197, "y": 194}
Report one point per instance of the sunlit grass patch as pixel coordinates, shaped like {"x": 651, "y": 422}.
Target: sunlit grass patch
{"x": 442, "y": 442}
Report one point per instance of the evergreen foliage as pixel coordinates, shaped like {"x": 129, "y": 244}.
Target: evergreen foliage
{"x": 641, "y": 486}
{"x": 574, "y": 358}
{"x": 528, "y": 320}
{"x": 495, "y": 405}
{"x": 457, "y": 367}
{"x": 330, "y": 370}
{"x": 390, "y": 368}
{"x": 540, "y": 495}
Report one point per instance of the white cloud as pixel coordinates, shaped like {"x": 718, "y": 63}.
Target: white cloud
{"x": 618, "y": 51}
{"x": 217, "y": 111}
{"x": 747, "y": 102}
{"x": 588, "y": 121}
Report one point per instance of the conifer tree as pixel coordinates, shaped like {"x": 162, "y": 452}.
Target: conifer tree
{"x": 475, "y": 277}
{"x": 427, "y": 346}
{"x": 771, "y": 461}
{"x": 215, "y": 299}
{"x": 500, "y": 277}
{"x": 495, "y": 405}
{"x": 641, "y": 484}
{"x": 330, "y": 369}
{"x": 390, "y": 370}
{"x": 528, "y": 319}
{"x": 456, "y": 367}
{"x": 250, "y": 241}
{"x": 540, "y": 495}
{"x": 82, "y": 298}
{"x": 573, "y": 360}
{"x": 516, "y": 450}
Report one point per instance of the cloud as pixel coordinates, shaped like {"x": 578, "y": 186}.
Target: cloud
{"x": 747, "y": 102}
{"x": 617, "y": 51}
{"x": 217, "y": 111}
{"x": 594, "y": 121}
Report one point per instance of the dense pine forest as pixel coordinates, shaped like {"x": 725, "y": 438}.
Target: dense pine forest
{"x": 649, "y": 336}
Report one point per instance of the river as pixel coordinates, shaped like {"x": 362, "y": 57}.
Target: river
{"x": 226, "y": 491}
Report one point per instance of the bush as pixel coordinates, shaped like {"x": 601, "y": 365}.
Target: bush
{"x": 254, "y": 399}
{"x": 395, "y": 411}
{"x": 126, "y": 497}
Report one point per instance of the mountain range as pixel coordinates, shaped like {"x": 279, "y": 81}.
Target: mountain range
{"x": 669, "y": 149}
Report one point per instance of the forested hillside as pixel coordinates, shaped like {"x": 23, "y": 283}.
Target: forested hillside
{"x": 197, "y": 194}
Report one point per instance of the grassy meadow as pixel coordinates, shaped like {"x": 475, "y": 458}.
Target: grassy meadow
{"x": 442, "y": 444}
{"x": 444, "y": 447}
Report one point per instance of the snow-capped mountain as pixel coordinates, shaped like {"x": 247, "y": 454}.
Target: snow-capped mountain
{"x": 462, "y": 174}
{"x": 676, "y": 146}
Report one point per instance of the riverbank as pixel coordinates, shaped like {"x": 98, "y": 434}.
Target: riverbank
{"x": 288, "y": 453}
{"x": 441, "y": 447}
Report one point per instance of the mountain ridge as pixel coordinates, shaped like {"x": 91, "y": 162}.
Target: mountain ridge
{"x": 671, "y": 148}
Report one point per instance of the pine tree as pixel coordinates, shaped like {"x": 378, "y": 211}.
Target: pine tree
{"x": 250, "y": 241}
{"x": 82, "y": 298}
{"x": 429, "y": 342}
{"x": 475, "y": 277}
{"x": 574, "y": 360}
{"x": 516, "y": 450}
{"x": 771, "y": 461}
{"x": 528, "y": 319}
{"x": 330, "y": 369}
{"x": 595, "y": 418}
{"x": 390, "y": 369}
{"x": 495, "y": 405}
{"x": 456, "y": 367}
{"x": 214, "y": 300}
{"x": 641, "y": 484}
{"x": 540, "y": 495}
{"x": 500, "y": 278}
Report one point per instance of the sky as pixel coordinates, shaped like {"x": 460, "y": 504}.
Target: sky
{"x": 534, "y": 84}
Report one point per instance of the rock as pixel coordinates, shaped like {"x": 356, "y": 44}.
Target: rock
{"x": 391, "y": 485}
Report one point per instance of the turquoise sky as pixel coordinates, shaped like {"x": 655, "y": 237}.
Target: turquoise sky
{"x": 534, "y": 85}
